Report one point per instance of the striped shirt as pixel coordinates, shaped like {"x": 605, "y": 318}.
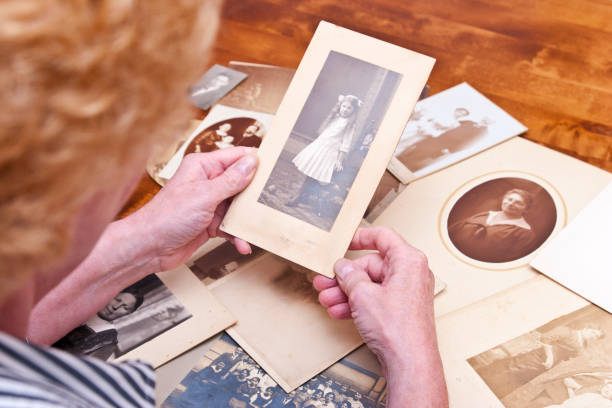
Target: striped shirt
{"x": 32, "y": 376}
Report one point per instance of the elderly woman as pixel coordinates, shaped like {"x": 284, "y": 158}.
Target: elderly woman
{"x": 88, "y": 86}
{"x": 496, "y": 236}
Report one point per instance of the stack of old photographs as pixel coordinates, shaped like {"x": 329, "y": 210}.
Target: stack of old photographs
{"x": 480, "y": 202}
{"x": 227, "y": 377}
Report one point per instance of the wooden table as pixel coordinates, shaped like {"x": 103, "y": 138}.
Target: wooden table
{"x": 546, "y": 62}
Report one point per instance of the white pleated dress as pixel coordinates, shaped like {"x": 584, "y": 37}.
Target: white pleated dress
{"x": 317, "y": 160}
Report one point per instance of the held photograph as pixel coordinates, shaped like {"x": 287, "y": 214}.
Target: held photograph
{"x": 223, "y": 127}
{"x": 448, "y": 127}
{"x": 330, "y": 140}
{"x": 566, "y": 363}
{"x": 134, "y": 316}
{"x": 228, "y": 377}
{"x": 502, "y": 220}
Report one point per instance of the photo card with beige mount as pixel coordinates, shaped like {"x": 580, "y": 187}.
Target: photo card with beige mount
{"x": 481, "y": 221}
{"x": 155, "y": 319}
{"x": 328, "y": 147}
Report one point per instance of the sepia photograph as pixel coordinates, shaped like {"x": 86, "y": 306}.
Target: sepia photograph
{"x": 228, "y": 133}
{"x": 228, "y": 377}
{"x": 222, "y": 128}
{"x": 566, "y": 363}
{"x": 221, "y": 261}
{"x": 134, "y": 316}
{"x": 262, "y": 90}
{"x": 215, "y": 83}
{"x": 330, "y": 140}
{"x": 502, "y": 220}
{"x": 448, "y": 127}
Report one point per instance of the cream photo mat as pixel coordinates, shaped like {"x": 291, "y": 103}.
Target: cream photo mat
{"x": 289, "y": 237}
{"x": 208, "y": 317}
{"x": 290, "y": 337}
{"x": 418, "y": 214}
{"x": 486, "y": 324}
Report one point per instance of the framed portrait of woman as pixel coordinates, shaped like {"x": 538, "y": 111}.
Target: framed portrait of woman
{"x": 328, "y": 147}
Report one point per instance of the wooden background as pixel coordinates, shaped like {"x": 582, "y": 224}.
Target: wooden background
{"x": 546, "y": 62}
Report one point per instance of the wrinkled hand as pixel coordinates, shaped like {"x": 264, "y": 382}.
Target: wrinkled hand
{"x": 389, "y": 295}
{"x": 189, "y": 209}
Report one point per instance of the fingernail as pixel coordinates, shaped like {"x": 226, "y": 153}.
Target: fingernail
{"x": 344, "y": 270}
{"x": 246, "y": 164}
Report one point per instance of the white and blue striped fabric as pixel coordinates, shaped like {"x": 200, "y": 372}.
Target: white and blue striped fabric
{"x": 32, "y": 376}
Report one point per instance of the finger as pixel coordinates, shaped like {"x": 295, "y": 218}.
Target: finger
{"x": 242, "y": 246}
{"x": 213, "y": 227}
{"x": 321, "y": 282}
{"x": 332, "y": 296}
{"x": 388, "y": 242}
{"x": 233, "y": 180}
{"x": 349, "y": 275}
{"x": 216, "y": 162}
{"x": 373, "y": 264}
{"x": 340, "y": 312}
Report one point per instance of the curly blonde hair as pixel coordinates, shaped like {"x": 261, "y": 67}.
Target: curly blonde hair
{"x": 85, "y": 84}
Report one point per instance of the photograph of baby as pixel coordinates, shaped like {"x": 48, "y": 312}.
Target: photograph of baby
{"x": 330, "y": 140}
{"x": 451, "y": 126}
{"x": 566, "y": 363}
{"x": 223, "y": 127}
{"x": 228, "y": 377}
{"x": 502, "y": 220}
{"x": 215, "y": 83}
{"x": 134, "y": 316}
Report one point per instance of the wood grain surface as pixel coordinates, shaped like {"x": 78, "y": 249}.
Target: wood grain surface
{"x": 546, "y": 62}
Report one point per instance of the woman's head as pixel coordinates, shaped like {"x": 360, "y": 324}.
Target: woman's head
{"x": 88, "y": 87}
{"x": 516, "y": 202}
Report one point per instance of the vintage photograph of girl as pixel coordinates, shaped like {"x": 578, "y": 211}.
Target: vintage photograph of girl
{"x": 502, "y": 220}
{"x": 330, "y": 140}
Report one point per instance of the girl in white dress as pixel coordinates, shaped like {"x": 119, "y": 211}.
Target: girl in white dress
{"x": 325, "y": 155}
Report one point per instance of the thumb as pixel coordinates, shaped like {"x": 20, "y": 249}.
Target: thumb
{"x": 234, "y": 179}
{"x": 349, "y": 275}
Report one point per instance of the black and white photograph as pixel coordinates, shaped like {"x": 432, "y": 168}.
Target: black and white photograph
{"x": 223, "y": 127}
{"x": 450, "y": 126}
{"x": 502, "y": 220}
{"x": 228, "y": 377}
{"x": 221, "y": 261}
{"x": 215, "y": 83}
{"x": 330, "y": 140}
{"x": 134, "y": 316}
{"x": 566, "y": 363}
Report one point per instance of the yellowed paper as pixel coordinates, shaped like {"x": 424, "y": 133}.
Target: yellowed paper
{"x": 280, "y": 322}
{"x": 465, "y": 194}
{"x": 313, "y": 226}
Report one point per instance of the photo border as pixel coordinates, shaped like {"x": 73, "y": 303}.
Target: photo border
{"x": 297, "y": 240}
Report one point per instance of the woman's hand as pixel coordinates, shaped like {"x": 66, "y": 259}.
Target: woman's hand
{"x": 189, "y": 209}
{"x": 389, "y": 295}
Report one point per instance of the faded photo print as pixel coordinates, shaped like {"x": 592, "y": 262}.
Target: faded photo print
{"x": 134, "y": 316}
{"x": 228, "y": 377}
{"x": 566, "y": 363}
{"x": 502, "y": 220}
{"x": 215, "y": 83}
{"x": 450, "y": 126}
{"x": 221, "y": 261}
{"x": 330, "y": 140}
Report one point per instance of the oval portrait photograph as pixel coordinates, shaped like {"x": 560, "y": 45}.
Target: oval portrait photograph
{"x": 502, "y": 220}
{"x": 228, "y": 133}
